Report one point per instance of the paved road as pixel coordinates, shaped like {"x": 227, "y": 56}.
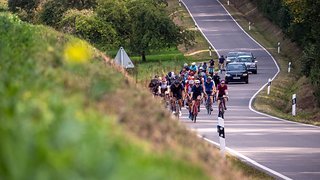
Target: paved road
{"x": 291, "y": 149}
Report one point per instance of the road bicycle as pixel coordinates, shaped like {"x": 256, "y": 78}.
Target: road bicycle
{"x": 221, "y": 106}
{"x": 175, "y": 107}
{"x": 195, "y": 109}
{"x": 208, "y": 104}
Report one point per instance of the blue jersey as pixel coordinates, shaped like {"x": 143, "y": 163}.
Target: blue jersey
{"x": 209, "y": 86}
{"x": 194, "y": 68}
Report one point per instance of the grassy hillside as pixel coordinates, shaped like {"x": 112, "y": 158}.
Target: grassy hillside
{"x": 66, "y": 113}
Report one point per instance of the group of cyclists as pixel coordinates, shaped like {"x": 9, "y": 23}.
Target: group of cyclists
{"x": 193, "y": 83}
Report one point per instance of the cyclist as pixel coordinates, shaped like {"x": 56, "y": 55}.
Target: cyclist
{"x": 221, "y": 62}
{"x": 163, "y": 87}
{"x": 205, "y": 66}
{"x": 211, "y": 62}
{"x": 209, "y": 89}
{"x": 176, "y": 92}
{"x": 154, "y": 84}
{"x": 196, "y": 91}
{"x": 194, "y": 68}
{"x": 222, "y": 93}
{"x": 171, "y": 77}
{"x": 211, "y": 70}
{"x": 216, "y": 78}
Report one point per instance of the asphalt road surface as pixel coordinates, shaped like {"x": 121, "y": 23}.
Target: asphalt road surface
{"x": 285, "y": 149}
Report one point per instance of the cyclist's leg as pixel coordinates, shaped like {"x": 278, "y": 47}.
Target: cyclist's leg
{"x": 224, "y": 103}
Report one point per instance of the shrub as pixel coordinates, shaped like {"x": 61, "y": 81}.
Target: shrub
{"x": 52, "y": 12}
{"x": 86, "y": 25}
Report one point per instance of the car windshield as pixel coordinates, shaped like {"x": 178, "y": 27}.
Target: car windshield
{"x": 232, "y": 55}
{"x": 244, "y": 59}
{"x": 235, "y": 67}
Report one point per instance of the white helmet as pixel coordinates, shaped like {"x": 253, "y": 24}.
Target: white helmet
{"x": 197, "y": 81}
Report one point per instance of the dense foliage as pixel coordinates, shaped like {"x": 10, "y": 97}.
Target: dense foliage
{"x": 141, "y": 26}
{"x": 300, "y": 20}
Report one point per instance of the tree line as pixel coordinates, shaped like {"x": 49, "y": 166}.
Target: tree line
{"x": 299, "y": 20}
{"x": 141, "y": 25}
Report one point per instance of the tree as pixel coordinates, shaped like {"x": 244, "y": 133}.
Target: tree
{"x": 27, "y": 5}
{"x": 151, "y": 28}
{"x": 116, "y": 14}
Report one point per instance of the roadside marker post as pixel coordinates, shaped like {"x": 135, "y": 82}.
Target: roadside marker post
{"x": 228, "y": 2}
{"x": 294, "y": 104}
{"x": 278, "y": 47}
{"x": 180, "y": 3}
{"x": 269, "y": 85}
{"x": 210, "y": 51}
{"x": 249, "y": 26}
{"x": 289, "y": 67}
{"x": 220, "y": 130}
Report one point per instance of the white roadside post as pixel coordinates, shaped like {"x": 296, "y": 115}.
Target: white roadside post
{"x": 289, "y": 67}
{"x": 249, "y": 26}
{"x": 269, "y": 85}
{"x": 278, "y": 47}
{"x": 294, "y": 104}
{"x": 180, "y": 3}
{"x": 228, "y": 2}
{"x": 210, "y": 51}
{"x": 220, "y": 129}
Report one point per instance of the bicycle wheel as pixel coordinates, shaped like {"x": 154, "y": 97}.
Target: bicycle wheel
{"x": 221, "y": 110}
{"x": 195, "y": 112}
{"x": 177, "y": 109}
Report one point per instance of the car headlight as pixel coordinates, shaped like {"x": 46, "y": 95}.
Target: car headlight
{"x": 228, "y": 75}
{"x": 244, "y": 74}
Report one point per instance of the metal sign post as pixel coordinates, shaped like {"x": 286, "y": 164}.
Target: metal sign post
{"x": 269, "y": 85}
{"x": 220, "y": 129}
{"x": 294, "y": 104}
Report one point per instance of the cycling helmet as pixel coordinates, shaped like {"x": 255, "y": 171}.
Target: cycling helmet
{"x": 185, "y": 65}
{"x": 176, "y": 82}
{"x": 222, "y": 82}
{"x": 197, "y": 81}
{"x": 193, "y": 64}
{"x": 191, "y": 81}
{"x": 209, "y": 78}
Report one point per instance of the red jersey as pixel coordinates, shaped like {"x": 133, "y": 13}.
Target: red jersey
{"x": 222, "y": 90}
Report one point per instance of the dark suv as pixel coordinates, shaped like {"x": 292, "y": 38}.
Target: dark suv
{"x": 236, "y": 72}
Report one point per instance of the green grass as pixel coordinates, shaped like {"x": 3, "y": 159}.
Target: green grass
{"x": 50, "y": 127}
{"x": 248, "y": 170}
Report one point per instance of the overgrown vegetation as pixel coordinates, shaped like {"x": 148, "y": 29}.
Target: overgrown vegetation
{"x": 300, "y": 21}
{"x": 141, "y": 26}
{"x": 278, "y": 103}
